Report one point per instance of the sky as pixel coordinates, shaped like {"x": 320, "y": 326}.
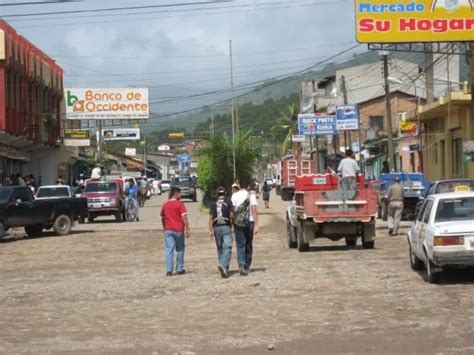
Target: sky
{"x": 183, "y": 50}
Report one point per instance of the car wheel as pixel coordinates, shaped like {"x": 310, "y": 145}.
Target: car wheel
{"x": 291, "y": 235}
{"x": 415, "y": 262}
{"x": 33, "y": 231}
{"x": 432, "y": 276}
{"x": 302, "y": 246}
{"x": 62, "y": 225}
{"x": 351, "y": 242}
{"x": 90, "y": 219}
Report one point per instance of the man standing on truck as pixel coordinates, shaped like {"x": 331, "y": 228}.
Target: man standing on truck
{"x": 174, "y": 217}
{"x": 395, "y": 206}
{"x": 348, "y": 168}
{"x": 246, "y": 225}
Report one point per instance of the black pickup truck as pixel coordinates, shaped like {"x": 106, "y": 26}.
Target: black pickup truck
{"x": 18, "y": 208}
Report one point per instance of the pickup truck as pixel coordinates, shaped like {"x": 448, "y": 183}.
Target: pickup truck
{"x": 105, "y": 198}
{"x": 18, "y": 208}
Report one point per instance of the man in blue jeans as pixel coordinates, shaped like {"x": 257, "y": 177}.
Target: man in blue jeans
{"x": 244, "y": 234}
{"x": 175, "y": 224}
{"x": 220, "y": 229}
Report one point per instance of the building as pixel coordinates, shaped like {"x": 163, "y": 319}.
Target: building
{"x": 31, "y": 111}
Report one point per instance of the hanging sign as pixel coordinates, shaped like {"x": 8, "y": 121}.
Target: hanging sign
{"x": 121, "y": 134}
{"x": 347, "y": 118}
{"x": 315, "y": 125}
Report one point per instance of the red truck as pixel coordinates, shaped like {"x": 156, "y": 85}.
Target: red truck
{"x": 321, "y": 209}
{"x": 290, "y": 169}
{"x": 105, "y": 198}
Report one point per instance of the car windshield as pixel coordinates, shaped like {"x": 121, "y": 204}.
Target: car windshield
{"x": 166, "y": 181}
{"x": 53, "y": 192}
{"x": 5, "y": 195}
{"x": 101, "y": 187}
{"x": 455, "y": 186}
{"x": 455, "y": 209}
{"x": 185, "y": 183}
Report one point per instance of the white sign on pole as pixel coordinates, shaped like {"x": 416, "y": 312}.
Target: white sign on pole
{"x": 77, "y": 142}
{"x": 298, "y": 138}
{"x": 131, "y": 152}
{"x": 115, "y": 134}
{"x": 106, "y": 104}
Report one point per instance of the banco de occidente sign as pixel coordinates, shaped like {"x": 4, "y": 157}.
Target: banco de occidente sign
{"x": 96, "y": 104}
{"x": 401, "y": 21}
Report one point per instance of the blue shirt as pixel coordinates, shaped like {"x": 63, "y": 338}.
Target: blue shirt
{"x": 132, "y": 191}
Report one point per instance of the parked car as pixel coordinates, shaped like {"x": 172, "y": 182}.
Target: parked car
{"x": 18, "y": 208}
{"x": 443, "y": 234}
{"x": 165, "y": 185}
{"x": 54, "y": 191}
{"x": 187, "y": 187}
{"x": 105, "y": 198}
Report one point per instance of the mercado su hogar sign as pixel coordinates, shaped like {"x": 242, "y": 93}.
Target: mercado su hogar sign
{"x": 397, "y": 21}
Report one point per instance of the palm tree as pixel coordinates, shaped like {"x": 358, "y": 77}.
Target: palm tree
{"x": 285, "y": 127}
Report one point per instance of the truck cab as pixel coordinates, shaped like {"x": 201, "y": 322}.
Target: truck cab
{"x": 105, "y": 197}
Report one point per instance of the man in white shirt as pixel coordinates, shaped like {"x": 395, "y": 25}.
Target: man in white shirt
{"x": 245, "y": 202}
{"x": 96, "y": 173}
{"x": 348, "y": 168}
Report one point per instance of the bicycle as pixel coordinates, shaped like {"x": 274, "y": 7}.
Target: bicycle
{"x": 131, "y": 210}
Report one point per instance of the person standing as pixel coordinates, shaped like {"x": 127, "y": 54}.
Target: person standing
{"x": 174, "y": 217}
{"x": 348, "y": 168}
{"x": 266, "y": 194}
{"x": 220, "y": 229}
{"x": 395, "y": 206}
{"x": 246, "y": 225}
{"x": 96, "y": 172}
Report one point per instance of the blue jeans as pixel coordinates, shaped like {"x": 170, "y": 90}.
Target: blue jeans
{"x": 244, "y": 242}
{"x": 174, "y": 240}
{"x": 223, "y": 237}
{"x": 134, "y": 203}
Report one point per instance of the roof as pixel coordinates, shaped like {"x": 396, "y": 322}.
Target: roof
{"x": 451, "y": 195}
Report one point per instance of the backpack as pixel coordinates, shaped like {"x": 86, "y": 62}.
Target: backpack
{"x": 222, "y": 210}
{"x": 143, "y": 188}
{"x": 242, "y": 214}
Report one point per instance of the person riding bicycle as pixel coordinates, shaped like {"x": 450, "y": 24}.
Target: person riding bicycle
{"x": 131, "y": 191}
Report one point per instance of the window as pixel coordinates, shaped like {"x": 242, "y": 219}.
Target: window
{"x": 457, "y": 209}
{"x": 426, "y": 216}
{"x": 376, "y": 122}
{"x": 419, "y": 217}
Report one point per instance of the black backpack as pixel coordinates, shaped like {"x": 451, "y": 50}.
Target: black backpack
{"x": 222, "y": 213}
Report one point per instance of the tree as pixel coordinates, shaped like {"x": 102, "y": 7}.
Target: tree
{"x": 285, "y": 127}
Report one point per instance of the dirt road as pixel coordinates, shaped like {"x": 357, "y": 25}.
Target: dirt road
{"x": 103, "y": 289}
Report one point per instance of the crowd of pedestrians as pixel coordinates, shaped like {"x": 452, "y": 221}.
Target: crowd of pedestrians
{"x": 18, "y": 180}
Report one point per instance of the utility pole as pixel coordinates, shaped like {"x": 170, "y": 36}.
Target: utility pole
{"x": 233, "y": 112}
{"x": 388, "y": 107}
{"x": 237, "y": 119}
{"x": 99, "y": 139}
{"x": 212, "y": 125}
{"x": 344, "y": 95}
{"x": 145, "y": 154}
{"x": 429, "y": 71}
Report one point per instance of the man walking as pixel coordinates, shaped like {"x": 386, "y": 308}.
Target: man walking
{"x": 348, "y": 168}
{"x": 220, "y": 229}
{"x": 246, "y": 225}
{"x": 175, "y": 224}
{"x": 395, "y": 206}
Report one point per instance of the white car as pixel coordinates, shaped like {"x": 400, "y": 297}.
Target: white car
{"x": 53, "y": 191}
{"x": 165, "y": 185}
{"x": 443, "y": 234}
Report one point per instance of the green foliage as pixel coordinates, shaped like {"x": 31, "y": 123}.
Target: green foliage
{"x": 215, "y": 166}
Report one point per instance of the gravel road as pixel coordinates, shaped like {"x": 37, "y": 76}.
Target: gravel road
{"x": 102, "y": 289}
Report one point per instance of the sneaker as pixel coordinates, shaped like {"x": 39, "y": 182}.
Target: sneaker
{"x": 242, "y": 270}
{"x": 223, "y": 271}
{"x": 182, "y": 272}
{"x": 169, "y": 273}
{"x": 390, "y": 231}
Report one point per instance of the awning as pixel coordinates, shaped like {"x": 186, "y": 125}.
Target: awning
{"x": 13, "y": 154}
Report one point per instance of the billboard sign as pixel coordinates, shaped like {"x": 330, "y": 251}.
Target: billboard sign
{"x": 77, "y": 138}
{"x": 347, "y": 118}
{"x": 176, "y": 135}
{"x": 314, "y": 125}
{"x": 77, "y": 142}
{"x": 402, "y": 21}
{"x": 106, "y": 104}
{"x": 407, "y": 128}
{"x": 121, "y": 134}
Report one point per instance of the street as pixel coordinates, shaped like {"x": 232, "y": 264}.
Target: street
{"x": 103, "y": 289}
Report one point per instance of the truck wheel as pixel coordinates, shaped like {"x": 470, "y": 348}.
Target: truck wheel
{"x": 291, "y": 235}
{"x": 302, "y": 246}
{"x": 415, "y": 262}
{"x": 90, "y": 219}
{"x": 33, "y": 231}
{"x": 351, "y": 242}
{"x": 62, "y": 225}
{"x": 433, "y": 276}
{"x": 368, "y": 245}
{"x": 118, "y": 217}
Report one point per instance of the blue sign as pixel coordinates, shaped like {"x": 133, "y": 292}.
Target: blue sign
{"x": 347, "y": 118}
{"x": 314, "y": 125}
{"x": 184, "y": 158}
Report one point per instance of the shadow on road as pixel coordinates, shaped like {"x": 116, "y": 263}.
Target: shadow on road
{"x": 48, "y": 234}
{"x": 453, "y": 276}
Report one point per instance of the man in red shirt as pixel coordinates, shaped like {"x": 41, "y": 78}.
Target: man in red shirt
{"x": 175, "y": 224}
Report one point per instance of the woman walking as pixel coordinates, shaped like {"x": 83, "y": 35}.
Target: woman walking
{"x": 266, "y": 194}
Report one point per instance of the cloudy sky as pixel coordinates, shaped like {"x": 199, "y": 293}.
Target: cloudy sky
{"x": 183, "y": 50}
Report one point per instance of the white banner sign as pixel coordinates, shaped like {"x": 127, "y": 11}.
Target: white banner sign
{"x": 115, "y": 134}
{"x": 131, "y": 152}
{"x": 298, "y": 138}
{"x": 77, "y": 142}
{"x": 107, "y": 104}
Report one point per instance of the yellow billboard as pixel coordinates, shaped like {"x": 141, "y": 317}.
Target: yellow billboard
{"x": 402, "y": 21}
